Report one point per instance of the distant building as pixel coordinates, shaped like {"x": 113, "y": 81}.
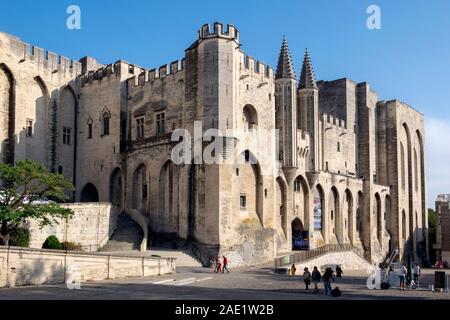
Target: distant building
{"x": 443, "y": 227}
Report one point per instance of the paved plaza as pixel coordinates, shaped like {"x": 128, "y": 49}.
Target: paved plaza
{"x": 259, "y": 283}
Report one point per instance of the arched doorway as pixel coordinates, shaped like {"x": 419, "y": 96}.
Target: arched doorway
{"x": 301, "y": 200}
{"x": 89, "y": 193}
{"x": 299, "y": 236}
{"x": 115, "y": 187}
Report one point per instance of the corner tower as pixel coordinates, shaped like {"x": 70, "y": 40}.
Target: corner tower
{"x": 214, "y": 58}
{"x": 286, "y": 106}
{"x": 308, "y": 109}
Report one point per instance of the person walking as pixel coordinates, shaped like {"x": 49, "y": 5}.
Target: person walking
{"x": 339, "y": 272}
{"x": 307, "y": 278}
{"x": 292, "y": 270}
{"x": 225, "y": 265}
{"x": 416, "y": 274}
{"x": 316, "y": 278}
{"x": 402, "y": 276}
{"x": 327, "y": 277}
{"x": 218, "y": 265}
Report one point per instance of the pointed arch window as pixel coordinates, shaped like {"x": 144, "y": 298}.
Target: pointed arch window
{"x": 105, "y": 125}
{"x": 105, "y": 121}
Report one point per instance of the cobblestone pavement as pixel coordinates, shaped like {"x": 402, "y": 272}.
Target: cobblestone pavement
{"x": 201, "y": 283}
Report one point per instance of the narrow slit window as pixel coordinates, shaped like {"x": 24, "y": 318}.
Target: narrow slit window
{"x": 243, "y": 201}
{"x": 89, "y": 130}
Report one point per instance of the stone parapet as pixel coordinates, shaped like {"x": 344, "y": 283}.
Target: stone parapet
{"x": 25, "y": 266}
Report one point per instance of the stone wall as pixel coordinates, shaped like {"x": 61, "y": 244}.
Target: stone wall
{"x": 40, "y": 95}
{"x": 91, "y": 226}
{"x": 98, "y": 154}
{"x": 347, "y": 260}
{"x": 24, "y": 266}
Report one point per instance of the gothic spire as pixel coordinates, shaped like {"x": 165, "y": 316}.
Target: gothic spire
{"x": 285, "y": 69}
{"x": 307, "y": 78}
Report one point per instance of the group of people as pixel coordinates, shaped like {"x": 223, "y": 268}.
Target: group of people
{"x": 328, "y": 276}
{"x": 414, "y": 281}
{"x": 221, "y": 266}
{"x": 441, "y": 264}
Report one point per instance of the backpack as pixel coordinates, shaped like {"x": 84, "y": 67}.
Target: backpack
{"x": 336, "y": 292}
{"x": 384, "y": 286}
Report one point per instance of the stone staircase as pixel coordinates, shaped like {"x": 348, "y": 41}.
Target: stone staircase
{"x": 126, "y": 238}
{"x": 301, "y": 256}
{"x": 345, "y": 255}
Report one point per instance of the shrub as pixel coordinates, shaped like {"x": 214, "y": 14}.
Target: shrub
{"x": 52, "y": 242}
{"x": 19, "y": 237}
{"x": 71, "y": 246}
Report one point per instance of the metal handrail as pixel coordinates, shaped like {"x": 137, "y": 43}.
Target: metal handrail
{"x": 308, "y": 255}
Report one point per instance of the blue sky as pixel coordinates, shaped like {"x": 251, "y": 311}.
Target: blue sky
{"x": 408, "y": 59}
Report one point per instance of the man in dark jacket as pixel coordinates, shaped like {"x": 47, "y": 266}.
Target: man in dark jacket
{"x": 327, "y": 277}
{"x": 315, "y": 276}
{"x": 225, "y": 265}
{"x": 339, "y": 272}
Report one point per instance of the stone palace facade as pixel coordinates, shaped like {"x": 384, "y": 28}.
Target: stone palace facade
{"x": 345, "y": 168}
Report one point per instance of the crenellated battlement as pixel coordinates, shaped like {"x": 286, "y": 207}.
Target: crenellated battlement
{"x": 218, "y": 30}
{"x": 101, "y": 73}
{"x": 46, "y": 59}
{"x": 252, "y": 67}
{"x": 155, "y": 74}
{"x": 117, "y": 69}
{"x": 332, "y": 121}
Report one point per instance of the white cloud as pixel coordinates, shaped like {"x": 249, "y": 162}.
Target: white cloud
{"x": 437, "y": 157}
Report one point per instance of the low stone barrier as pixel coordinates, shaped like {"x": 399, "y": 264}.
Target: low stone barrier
{"x": 26, "y": 266}
{"x": 91, "y": 226}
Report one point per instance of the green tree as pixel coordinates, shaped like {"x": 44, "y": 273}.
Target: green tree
{"x": 23, "y": 186}
{"x": 431, "y": 218}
